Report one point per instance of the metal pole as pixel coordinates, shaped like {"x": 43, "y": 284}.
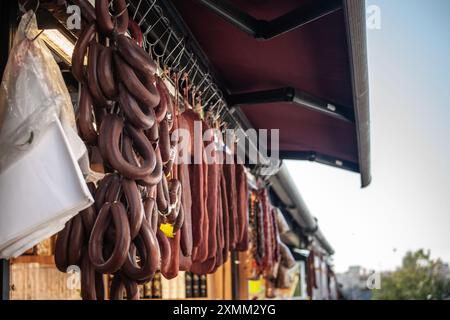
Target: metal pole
{"x": 235, "y": 275}
{"x": 4, "y": 279}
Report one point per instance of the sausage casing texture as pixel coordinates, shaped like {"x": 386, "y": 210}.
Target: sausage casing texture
{"x": 76, "y": 241}
{"x": 134, "y": 205}
{"x": 121, "y": 283}
{"x": 133, "y": 112}
{"x": 61, "y": 247}
{"x": 135, "y": 32}
{"x": 242, "y": 208}
{"x": 86, "y": 117}
{"x": 149, "y": 98}
{"x": 135, "y": 55}
{"x": 80, "y": 50}
{"x": 109, "y": 139}
{"x": 147, "y": 246}
{"x": 121, "y": 243}
{"x": 92, "y": 76}
{"x": 105, "y": 73}
{"x": 165, "y": 249}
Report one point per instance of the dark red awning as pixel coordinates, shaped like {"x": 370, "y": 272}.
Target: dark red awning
{"x": 324, "y": 59}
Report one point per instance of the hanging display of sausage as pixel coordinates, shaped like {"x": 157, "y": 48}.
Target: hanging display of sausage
{"x": 168, "y": 216}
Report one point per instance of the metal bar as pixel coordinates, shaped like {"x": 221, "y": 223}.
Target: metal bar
{"x": 260, "y": 97}
{"x": 235, "y": 275}
{"x": 296, "y": 96}
{"x": 300, "y": 17}
{"x": 320, "y": 158}
{"x": 230, "y": 13}
{"x": 266, "y": 30}
{"x": 4, "y": 279}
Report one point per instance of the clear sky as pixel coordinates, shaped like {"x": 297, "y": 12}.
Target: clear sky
{"x": 407, "y": 206}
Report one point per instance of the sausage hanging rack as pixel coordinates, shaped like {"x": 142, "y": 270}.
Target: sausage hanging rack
{"x": 169, "y": 49}
{"x": 182, "y": 54}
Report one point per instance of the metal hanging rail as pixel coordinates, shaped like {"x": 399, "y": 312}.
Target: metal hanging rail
{"x": 170, "y": 48}
{"x": 170, "y": 43}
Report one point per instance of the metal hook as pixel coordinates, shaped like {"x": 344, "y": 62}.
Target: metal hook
{"x": 121, "y": 12}
{"x": 210, "y": 84}
{"x": 189, "y": 60}
{"x": 177, "y": 59}
{"x": 193, "y": 66}
{"x": 153, "y": 45}
{"x": 206, "y": 77}
{"x": 151, "y": 27}
{"x": 146, "y": 13}
{"x": 219, "y": 111}
{"x": 173, "y": 50}
{"x": 137, "y": 9}
{"x": 215, "y": 94}
{"x": 23, "y": 9}
{"x": 196, "y": 71}
{"x": 215, "y": 104}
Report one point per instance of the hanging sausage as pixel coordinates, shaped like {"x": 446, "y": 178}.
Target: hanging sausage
{"x": 120, "y": 108}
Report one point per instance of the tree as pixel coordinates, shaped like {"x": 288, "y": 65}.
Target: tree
{"x": 419, "y": 278}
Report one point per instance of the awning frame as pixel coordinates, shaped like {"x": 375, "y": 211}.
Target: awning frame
{"x": 267, "y": 30}
{"x": 296, "y": 96}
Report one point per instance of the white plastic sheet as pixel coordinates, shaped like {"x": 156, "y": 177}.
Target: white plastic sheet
{"x": 32, "y": 91}
{"x": 41, "y": 184}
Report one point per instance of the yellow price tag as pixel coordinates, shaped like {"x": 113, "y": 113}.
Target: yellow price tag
{"x": 167, "y": 228}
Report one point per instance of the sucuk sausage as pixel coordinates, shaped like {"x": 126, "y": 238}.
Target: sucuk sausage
{"x": 86, "y": 117}
{"x": 230, "y": 177}
{"x": 105, "y": 74}
{"x": 220, "y": 233}
{"x": 61, "y": 247}
{"x": 151, "y": 213}
{"x": 164, "y": 140}
{"x": 89, "y": 214}
{"x": 80, "y": 50}
{"x": 186, "y": 242}
{"x": 242, "y": 208}
{"x": 185, "y": 261}
{"x": 275, "y": 237}
{"x": 226, "y": 220}
{"x": 153, "y": 134}
{"x": 76, "y": 241}
{"x": 165, "y": 249}
{"x": 213, "y": 193}
{"x": 171, "y": 271}
{"x": 121, "y": 283}
{"x": 92, "y": 76}
{"x": 135, "y": 32}
{"x": 109, "y": 139}
{"x": 129, "y": 155}
{"x": 165, "y": 100}
{"x": 88, "y": 281}
{"x": 148, "y": 248}
{"x": 149, "y": 98}
{"x": 102, "y": 188}
{"x": 133, "y": 112}
{"x": 196, "y": 181}
{"x": 121, "y": 243}
{"x": 135, "y": 55}
{"x": 134, "y": 205}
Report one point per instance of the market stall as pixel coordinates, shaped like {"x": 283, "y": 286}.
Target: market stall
{"x": 149, "y": 216}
